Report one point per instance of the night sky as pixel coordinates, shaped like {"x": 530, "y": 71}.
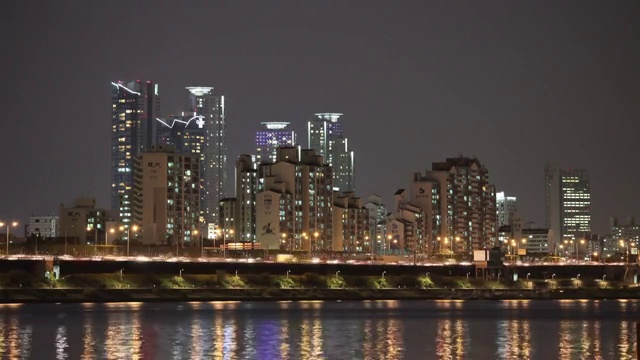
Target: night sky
{"x": 517, "y": 84}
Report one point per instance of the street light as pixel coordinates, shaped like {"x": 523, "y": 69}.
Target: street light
{"x": 106, "y": 239}
{"x": 224, "y": 242}
{"x": 622, "y": 243}
{"x": 337, "y": 272}
{"x": 384, "y": 272}
{"x": 288, "y": 271}
{"x": 181, "y": 270}
{"x": 134, "y": 228}
{"x": 14, "y": 224}
{"x": 195, "y": 232}
{"x": 95, "y": 242}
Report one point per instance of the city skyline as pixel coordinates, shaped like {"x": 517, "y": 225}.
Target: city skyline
{"x": 530, "y": 92}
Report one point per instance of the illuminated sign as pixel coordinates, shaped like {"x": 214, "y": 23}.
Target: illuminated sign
{"x": 199, "y": 90}
{"x": 124, "y": 87}
{"x": 198, "y": 118}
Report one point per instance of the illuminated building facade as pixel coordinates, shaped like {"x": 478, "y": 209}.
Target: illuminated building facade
{"x": 506, "y": 209}
{"x": 625, "y": 230}
{"x": 294, "y": 201}
{"x": 568, "y": 204}
{"x": 43, "y": 226}
{"x": 269, "y": 139}
{"x": 467, "y": 205}
{"x": 80, "y": 221}
{"x": 203, "y": 101}
{"x": 377, "y": 223}
{"x": 166, "y": 196}
{"x": 187, "y": 135}
{"x": 405, "y": 227}
{"x": 326, "y": 136}
{"x": 135, "y": 105}
{"x": 246, "y": 189}
{"x": 350, "y": 225}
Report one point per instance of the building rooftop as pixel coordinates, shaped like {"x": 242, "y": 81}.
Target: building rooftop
{"x": 455, "y": 162}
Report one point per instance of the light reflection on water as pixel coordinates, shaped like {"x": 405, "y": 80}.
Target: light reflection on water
{"x": 322, "y": 330}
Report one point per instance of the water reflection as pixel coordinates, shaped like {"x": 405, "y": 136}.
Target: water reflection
{"x": 322, "y": 330}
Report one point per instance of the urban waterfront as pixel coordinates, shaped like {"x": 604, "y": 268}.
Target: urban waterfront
{"x": 322, "y": 330}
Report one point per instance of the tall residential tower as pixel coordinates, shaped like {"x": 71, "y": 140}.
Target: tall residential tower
{"x": 134, "y": 106}
{"x": 326, "y": 136}
{"x": 269, "y": 139}
{"x": 204, "y": 102}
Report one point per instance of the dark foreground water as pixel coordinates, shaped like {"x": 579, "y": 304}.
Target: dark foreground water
{"x": 322, "y": 330}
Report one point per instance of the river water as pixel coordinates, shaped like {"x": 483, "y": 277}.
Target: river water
{"x": 322, "y": 330}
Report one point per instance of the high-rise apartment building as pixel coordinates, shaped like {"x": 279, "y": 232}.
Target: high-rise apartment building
{"x": 350, "y": 224}
{"x": 467, "y": 204}
{"x": 377, "y": 223}
{"x": 506, "y": 209}
{"x": 166, "y": 196}
{"x": 425, "y": 193}
{"x": 326, "y": 136}
{"x": 135, "y": 105}
{"x": 270, "y": 138}
{"x": 405, "y": 226}
{"x": 203, "y": 101}
{"x": 294, "y": 201}
{"x": 226, "y": 225}
{"x": 246, "y": 189}
{"x": 186, "y": 134}
{"x": 568, "y": 204}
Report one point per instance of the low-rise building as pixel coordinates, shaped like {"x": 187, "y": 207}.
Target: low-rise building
{"x": 83, "y": 223}
{"x": 43, "y": 226}
{"x": 536, "y": 242}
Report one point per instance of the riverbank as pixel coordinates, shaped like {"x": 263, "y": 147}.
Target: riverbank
{"x": 274, "y": 294}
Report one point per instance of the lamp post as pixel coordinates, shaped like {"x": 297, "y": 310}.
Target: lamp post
{"x": 288, "y": 271}
{"x": 14, "y": 224}
{"x": 457, "y": 239}
{"x": 134, "y": 228}
{"x": 622, "y": 243}
{"x": 181, "y": 270}
{"x": 366, "y": 240}
{"x": 195, "y": 232}
{"x": 106, "y": 236}
{"x": 65, "y": 239}
{"x": 224, "y": 242}
{"x": 315, "y": 236}
{"x": 337, "y": 272}
{"x": 95, "y": 242}
{"x": 384, "y": 272}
